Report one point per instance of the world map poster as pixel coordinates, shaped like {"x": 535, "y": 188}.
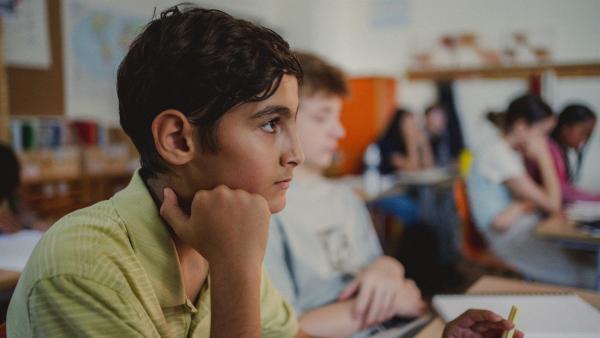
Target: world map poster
{"x": 96, "y": 38}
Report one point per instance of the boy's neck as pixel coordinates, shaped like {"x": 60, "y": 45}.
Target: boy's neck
{"x": 193, "y": 266}
{"x": 158, "y": 183}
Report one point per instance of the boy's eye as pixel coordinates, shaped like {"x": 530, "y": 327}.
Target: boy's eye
{"x": 271, "y": 127}
{"x": 319, "y": 118}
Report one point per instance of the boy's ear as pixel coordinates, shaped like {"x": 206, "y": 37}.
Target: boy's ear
{"x": 173, "y": 137}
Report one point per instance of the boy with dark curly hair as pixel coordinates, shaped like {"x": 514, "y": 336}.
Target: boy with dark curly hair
{"x": 210, "y": 103}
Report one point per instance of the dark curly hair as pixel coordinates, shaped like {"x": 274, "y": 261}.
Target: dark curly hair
{"x": 201, "y": 62}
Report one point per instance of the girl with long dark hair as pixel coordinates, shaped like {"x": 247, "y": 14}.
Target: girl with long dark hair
{"x": 572, "y": 133}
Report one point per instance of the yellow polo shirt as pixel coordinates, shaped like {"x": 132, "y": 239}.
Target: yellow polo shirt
{"x": 112, "y": 270}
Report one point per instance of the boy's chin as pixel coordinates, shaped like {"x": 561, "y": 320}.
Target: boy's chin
{"x": 276, "y": 205}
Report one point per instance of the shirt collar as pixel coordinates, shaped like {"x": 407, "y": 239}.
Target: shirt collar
{"x": 151, "y": 241}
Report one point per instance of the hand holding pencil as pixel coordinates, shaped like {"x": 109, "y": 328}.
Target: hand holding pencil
{"x": 481, "y": 324}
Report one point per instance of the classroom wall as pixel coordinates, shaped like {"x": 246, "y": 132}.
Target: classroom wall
{"x": 346, "y": 30}
{"x": 354, "y": 35}
{"x": 349, "y": 34}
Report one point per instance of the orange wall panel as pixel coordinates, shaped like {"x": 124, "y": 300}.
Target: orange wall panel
{"x": 364, "y": 115}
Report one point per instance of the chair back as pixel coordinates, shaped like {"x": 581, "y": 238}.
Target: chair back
{"x": 472, "y": 241}
{"x": 474, "y": 246}
{"x": 3, "y": 330}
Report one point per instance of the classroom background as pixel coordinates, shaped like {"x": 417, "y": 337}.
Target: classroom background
{"x": 368, "y": 39}
{"x": 58, "y": 107}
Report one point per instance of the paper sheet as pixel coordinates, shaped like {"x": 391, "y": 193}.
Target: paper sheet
{"x": 540, "y": 316}
{"x": 16, "y": 248}
{"x": 584, "y": 211}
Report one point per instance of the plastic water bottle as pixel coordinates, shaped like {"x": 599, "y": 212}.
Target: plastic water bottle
{"x": 371, "y": 176}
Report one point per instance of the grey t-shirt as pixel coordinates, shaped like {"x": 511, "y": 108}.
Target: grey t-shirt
{"x": 319, "y": 242}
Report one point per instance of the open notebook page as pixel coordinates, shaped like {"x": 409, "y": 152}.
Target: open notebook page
{"x": 540, "y": 315}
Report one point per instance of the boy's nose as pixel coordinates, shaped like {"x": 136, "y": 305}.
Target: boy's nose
{"x": 294, "y": 154}
{"x": 338, "y": 130}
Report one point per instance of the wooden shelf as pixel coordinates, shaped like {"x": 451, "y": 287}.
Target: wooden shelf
{"x": 525, "y": 71}
{"x": 52, "y": 198}
{"x": 58, "y": 181}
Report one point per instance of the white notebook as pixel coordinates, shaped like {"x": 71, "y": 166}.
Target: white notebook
{"x": 16, "y": 248}
{"x": 584, "y": 211}
{"x": 540, "y": 315}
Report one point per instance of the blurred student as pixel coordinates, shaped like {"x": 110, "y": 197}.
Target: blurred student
{"x": 14, "y": 215}
{"x": 406, "y": 146}
{"x": 403, "y": 145}
{"x": 573, "y": 131}
{"x": 436, "y": 129}
{"x": 323, "y": 252}
{"x": 507, "y": 202}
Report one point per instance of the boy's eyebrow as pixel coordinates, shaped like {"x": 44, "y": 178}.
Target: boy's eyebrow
{"x": 277, "y": 109}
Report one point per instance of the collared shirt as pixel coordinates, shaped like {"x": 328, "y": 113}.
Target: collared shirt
{"x": 112, "y": 270}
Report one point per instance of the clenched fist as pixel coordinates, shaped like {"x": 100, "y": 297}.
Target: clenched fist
{"x": 225, "y": 226}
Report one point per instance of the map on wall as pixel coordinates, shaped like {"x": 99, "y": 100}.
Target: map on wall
{"x": 96, "y": 38}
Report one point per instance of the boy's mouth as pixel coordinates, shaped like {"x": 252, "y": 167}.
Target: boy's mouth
{"x": 284, "y": 184}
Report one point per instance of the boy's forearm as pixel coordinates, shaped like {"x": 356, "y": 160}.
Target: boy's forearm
{"x": 333, "y": 320}
{"x": 235, "y": 301}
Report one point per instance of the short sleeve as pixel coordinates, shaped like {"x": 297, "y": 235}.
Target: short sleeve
{"x": 69, "y": 306}
{"x": 500, "y": 163}
{"x": 278, "y": 319}
{"x": 487, "y": 199}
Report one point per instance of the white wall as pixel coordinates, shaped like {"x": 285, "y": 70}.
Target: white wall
{"x": 343, "y": 29}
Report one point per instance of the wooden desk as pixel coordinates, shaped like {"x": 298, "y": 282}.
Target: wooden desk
{"x": 488, "y": 284}
{"x": 8, "y": 279}
{"x": 564, "y": 231}
{"x": 561, "y": 228}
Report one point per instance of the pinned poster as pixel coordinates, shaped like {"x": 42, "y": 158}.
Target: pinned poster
{"x": 96, "y": 37}
{"x": 26, "y": 36}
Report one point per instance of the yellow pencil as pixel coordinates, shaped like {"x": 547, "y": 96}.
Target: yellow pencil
{"x": 512, "y": 317}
